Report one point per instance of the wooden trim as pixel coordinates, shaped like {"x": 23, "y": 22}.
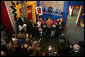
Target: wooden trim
{"x": 79, "y": 16}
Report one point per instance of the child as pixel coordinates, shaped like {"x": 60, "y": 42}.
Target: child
{"x": 30, "y": 36}
{"x": 9, "y": 45}
{"x": 37, "y": 18}
{"x": 40, "y": 32}
{"x": 10, "y": 49}
{"x": 35, "y": 29}
{"x": 34, "y": 42}
{"x": 48, "y": 24}
{"x": 20, "y": 26}
{"x": 24, "y": 27}
{"x": 61, "y": 25}
{"x": 53, "y": 29}
{"x": 44, "y": 21}
{"x": 20, "y": 39}
{"x": 57, "y": 27}
{"x": 43, "y": 54}
{"x": 41, "y": 21}
{"x": 15, "y": 41}
{"x": 39, "y": 29}
{"x": 27, "y": 39}
{"x": 44, "y": 30}
{"x": 23, "y": 34}
{"x": 61, "y": 39}
{"x": 39, "y": 24}
{"x": 76, "y": 49}
{"x": 3, "y": 53}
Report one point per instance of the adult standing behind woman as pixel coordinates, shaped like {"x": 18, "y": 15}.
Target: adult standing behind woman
{"x": 37, "y": 18}
{"x": 48, "y": 24}
{"x": 61, "y": 25}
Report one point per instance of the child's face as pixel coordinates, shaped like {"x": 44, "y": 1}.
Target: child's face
{"x": 45, "y": 19}
{"x": 43, "y": 54}
{"x": 70, "y": 46}
{"x": 20, "y": 35}
{"x": 49, "y": 19}
{"x": 26, "y": 35}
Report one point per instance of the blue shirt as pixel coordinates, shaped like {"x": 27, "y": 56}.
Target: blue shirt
{"x": 20, "y": 41}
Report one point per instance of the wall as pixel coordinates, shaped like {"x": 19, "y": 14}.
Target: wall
{"x": 55, "y": 5}
{"x": 53, "y": 17}
{"x": 38, "y": 3}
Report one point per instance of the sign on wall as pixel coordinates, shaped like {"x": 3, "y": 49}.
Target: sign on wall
{"x": 52, "y": 7}
{"x": 39, "y": 10}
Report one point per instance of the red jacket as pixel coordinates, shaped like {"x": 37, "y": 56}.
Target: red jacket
{"x": 41, "y": 22}
{"x": 54, "y": 22}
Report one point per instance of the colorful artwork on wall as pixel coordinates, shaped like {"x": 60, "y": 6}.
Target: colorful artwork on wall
{"x": 50, "y": 10}
{"x": 17, "y": 9}
{"x": 52, "y": 7}
{"x": 39, "y": 10}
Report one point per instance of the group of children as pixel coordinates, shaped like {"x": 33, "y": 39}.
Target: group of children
{"x": 23, "y": 41}
{"x": 49, "y": 28}
{"x": 30, "y": 35}
{"x": 43, "y": 27}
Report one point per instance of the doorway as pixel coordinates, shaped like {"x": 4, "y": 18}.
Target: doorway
{"x": 73, "y": 14}
{"x": 74, "y": 32}
{"x": 29, "y": 11}
{"x": 75, "y": 10}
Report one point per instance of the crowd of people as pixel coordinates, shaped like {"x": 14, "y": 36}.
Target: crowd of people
{"x": 46, "y": 27}
{"x": 29, "y": 37}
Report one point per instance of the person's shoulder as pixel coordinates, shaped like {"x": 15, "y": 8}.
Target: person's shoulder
{"x": 76, "y": 54}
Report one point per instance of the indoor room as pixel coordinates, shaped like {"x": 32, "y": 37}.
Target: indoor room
{"x": 42, "y": 28}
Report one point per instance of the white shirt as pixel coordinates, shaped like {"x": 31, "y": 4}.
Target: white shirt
{"x": 53, "y": 25}
{"x": 24, "y": 25}
{"x": 39, "y": 24}
{"x": 20, "y": 28}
